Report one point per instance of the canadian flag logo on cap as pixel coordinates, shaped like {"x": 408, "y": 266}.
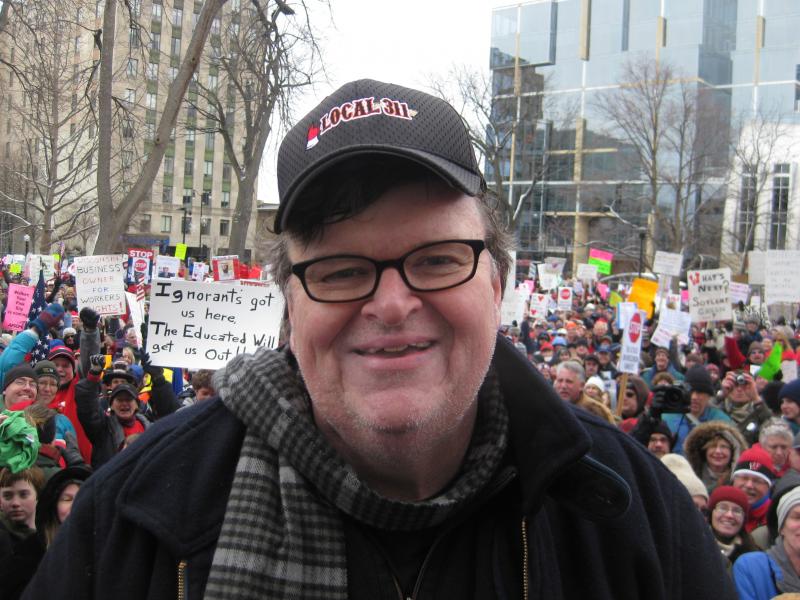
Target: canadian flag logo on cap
{"x": 313, "y": 137}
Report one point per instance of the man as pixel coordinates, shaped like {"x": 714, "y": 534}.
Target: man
{"x": 20, "y": 387}
{"x": 569, "y": 381}
{"x": 591, "y": 365}
{"x": 754, "y": 475}
{"x": 700, "y": 411}
{"x": 738, "y": 398}
{"x": 661, "y": 440}
{"x": 776, "y": 438}
{"x": 662, "y": 364}
{"x": 397, "y": 443}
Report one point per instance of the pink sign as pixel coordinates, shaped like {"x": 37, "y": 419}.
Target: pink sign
{"x": 602, "y": 289}
{"x": 601, "y": 254}
{"x": 18, "y": 306}
{"x": 685, "y": 296}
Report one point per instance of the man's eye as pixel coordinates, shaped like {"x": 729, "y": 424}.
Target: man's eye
{"x": 341, "y": 275}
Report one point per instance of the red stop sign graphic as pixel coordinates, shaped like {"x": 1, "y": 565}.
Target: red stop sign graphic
{"x": 635, "y": 327}
{"x": 140, "y": 265}
{"x": 565, "y": 294}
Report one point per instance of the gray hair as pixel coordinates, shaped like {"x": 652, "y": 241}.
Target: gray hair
{"x": 775, "y": 427}
{"x": 574, "y": 366}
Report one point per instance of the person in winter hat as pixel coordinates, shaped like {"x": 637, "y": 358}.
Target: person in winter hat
{"x": 754, "y": 475}
{"x": 790, "y": 404}
{"x": 713, "y": 449}
{"x": 727, "y": 515}
{"x": 683, "y": 471}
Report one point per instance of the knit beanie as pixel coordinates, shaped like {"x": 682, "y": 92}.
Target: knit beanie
{"x": 791, "y": 391}
{"x": 681, "y": 468}
{"x": 755, "y": 346}
{"x": 787, "y": 502}
{"x": 596, "y": 382}
{"x": 45, "y": 368}
{"x": 698, "y": 380}
{"x": 664, "y": 429}
{"x": 21, "y": 370}
{"x": 756, "y": 462}
{"x": 728, "y": 493}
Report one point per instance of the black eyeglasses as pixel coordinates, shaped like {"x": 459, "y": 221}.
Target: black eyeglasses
{"x": 428, "y": 268}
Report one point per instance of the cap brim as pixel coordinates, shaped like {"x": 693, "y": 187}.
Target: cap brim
{"x": 454, "y": 175}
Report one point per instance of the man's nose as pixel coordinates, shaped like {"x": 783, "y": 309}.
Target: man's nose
{"x": 393, "y": 301}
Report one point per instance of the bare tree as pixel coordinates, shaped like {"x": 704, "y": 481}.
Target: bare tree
{"x": 676, "y": 134}
{"x": 269, "y": 55}
{"x": 758, "y": 141}
{"x": 116, "y": 211}
{"x": 51, "y": 106}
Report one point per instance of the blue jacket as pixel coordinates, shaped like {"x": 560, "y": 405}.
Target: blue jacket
{"x": 755, "y": 574}
{"x": 680, "y": 425}
{"x": 595, "y": 514}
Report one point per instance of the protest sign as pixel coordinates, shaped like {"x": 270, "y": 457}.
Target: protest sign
{"x": 631, "y": 344}
{"x": 136, "y": 309}
{"x": 672, "y": 323}
{"x": 204, "y": 325}
{"x": 139, "y": 261}
{"x": 225, "y": 268}
{"x": 564, "y": 298}
{"x": 555, "y": 264}
{"x": 667, "y": 263}
{"x": 538, "y": 305}
{"x": 740, "y": 292}
{"x": 547, "y": 280}
{"x": 601, "y": 259}
{"x": 643, "y": 293}
{"x": 199, "y": 271}
{"x": 587, "y": 272}
{"x": 782, "y": 280}
{"x": 513, "y": 306}
{"x": 18, "y": 306}
{"x": 709, "y": 295}
{"x": 625, "y": 311}
{"x": 167, "y": 267}
{"x": 99, "y": 283}
{"x": 180, "y": 251}
{"x": 756, "y": 267}
{"x": 37, "y": 262}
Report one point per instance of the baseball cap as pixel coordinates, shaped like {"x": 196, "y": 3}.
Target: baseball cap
{"x": 125, "y": 388}
{"x": 61, "y": 350}
{"x": 368, "y": 117}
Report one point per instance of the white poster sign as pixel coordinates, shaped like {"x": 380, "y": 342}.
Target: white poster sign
{"x": 782, "y": 280}
{"x": 199, "y": 271}
{"x": 625, "y": 311}
{"x": 667, "y": 263}
{"x": 756, "y": 267}
{"x": 167, "y": 267}
{"x": 709, "y": 295}
{"x": 513, "y": 306}
{"x": 564, "y": 298}
{"x": 136, "y": 308}
{"x": 740, "y": 292}
{"x": 40, "y": 262}
{"x": 672, "y": 323}
{"x": 629, "y": 356}
{"x": 99, "y": 283}
{"x": 555, "y": 264}
{"x": 538, "y": 305}
{"x": 204, "y": 325}
{"x": 587, "y": 272}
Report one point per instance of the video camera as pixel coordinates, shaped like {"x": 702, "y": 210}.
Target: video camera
{"x": 675, "y": 398}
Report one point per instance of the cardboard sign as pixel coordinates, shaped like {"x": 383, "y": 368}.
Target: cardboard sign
{"x": 555, "y": 264}
{"x": 564, "y": 298}
{"x": 643, "y": 293}
{"x": 167, "y": 267}
{"x": 18, "y": 306}
{"x": 225, "y": 268}
{"x": 37, "y": 262}
{"x": 538, "y": 305}
{"x": 99, "y": 283}
{"x": 136, "y": 310}
{"x": 782, "y": 281}
{"x": 204, "y": 325}
{"x": 672, "y": 323}
{"x": 139, "y": 262}
{"x": 756, "y": 267}
{"x": 199, "y": 271}
{"x": 180, "y": 251}
{"x": 601, "y": 259}
{"x": 740, "y": 292}
{"x": 513, "y": 306}
{"x": 667, "y": 263}
{"x": 631, "y": 344}
{"x": 709, "y": 295}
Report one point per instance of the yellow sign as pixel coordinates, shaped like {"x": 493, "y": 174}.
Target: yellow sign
{"x": 180, "y": 251}
{"x": 643, "y": 292}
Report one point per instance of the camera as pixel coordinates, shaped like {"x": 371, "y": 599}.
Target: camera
{"x": 674, "y": 398}
{"x": 740, "y": 379}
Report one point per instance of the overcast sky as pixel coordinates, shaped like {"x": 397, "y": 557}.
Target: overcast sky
{"x": 400, "y": 42}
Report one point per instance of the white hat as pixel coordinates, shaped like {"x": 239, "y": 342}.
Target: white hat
{"x": 596, "y": 382}
{"x": 681, "y": 468}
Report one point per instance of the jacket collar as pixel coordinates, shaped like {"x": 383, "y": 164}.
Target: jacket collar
{"x": 552, "y": 444}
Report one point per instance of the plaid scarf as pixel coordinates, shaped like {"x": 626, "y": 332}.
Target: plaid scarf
{"x": 282, "y": 534}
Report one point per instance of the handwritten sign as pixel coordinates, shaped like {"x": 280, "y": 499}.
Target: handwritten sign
{"x": 38, "y": 262}
{"x": 667, "y": 263}
{"x": 587, "y": 272}
{"x": 513, "y": 306}
{"x": 782, "y": 280}
{"x": 709, "y": 295}
{"x": 204, "y": 325}
{"x": 18, "y": 306}
{"x": 672, "y": 323}
{"x": 99, "y": 283}
{"x": 564, "y": 298}
{"x": 740, "y": 292}
{"x": 538, "y": 305}
{"x": 643, "y": 293}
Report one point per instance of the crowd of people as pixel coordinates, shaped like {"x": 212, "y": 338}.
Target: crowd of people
{"x": 66, "y": 415}
{"x": 727, "y": 429}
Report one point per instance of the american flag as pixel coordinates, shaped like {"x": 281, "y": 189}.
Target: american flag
{"x": 42, "y": 348}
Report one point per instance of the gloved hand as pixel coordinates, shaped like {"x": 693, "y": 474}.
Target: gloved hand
{"x": 48, "y": 318}
{"x": 89, "y": 318}
{"x": 97, "y": 362}
{"x": 147, "y": 366}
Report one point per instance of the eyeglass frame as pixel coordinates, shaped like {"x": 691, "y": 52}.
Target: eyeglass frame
{"x": 298, "y": 269}
{"x": 730, "y": 509}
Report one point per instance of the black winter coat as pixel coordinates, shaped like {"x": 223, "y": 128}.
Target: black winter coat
{"x": 593, "y": 513}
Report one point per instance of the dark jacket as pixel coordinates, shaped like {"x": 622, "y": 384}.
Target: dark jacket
{"x": 102, "y": 428}
{"x": 595, "y": 514}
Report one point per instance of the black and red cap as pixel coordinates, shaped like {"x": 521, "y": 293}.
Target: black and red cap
{"x": 368, "y": 117}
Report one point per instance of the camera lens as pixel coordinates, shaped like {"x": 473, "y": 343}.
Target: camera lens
{"x": 740, "y": 380}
